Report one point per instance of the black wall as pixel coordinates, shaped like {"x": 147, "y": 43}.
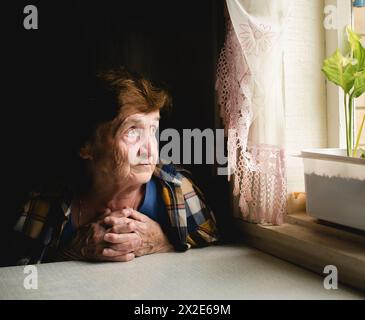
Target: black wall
{"x": 173, "y": 42}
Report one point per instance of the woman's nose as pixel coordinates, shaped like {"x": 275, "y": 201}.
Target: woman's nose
{"x": 145, "y": 149}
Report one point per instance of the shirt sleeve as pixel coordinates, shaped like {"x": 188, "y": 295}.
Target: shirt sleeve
{"x": 24, "y": 239}
{"x": 37, "y": 228}
{"x": 201, "y": 222}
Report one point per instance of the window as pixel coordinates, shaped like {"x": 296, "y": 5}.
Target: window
{"x": 359, "y": 27}
{"x": 335, "y": 38}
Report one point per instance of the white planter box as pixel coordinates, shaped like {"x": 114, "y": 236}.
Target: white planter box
{"x": 335, "y": 186}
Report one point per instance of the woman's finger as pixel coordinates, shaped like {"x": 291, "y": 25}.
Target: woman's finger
{"x": 113, "y": 220}
{"x": 121, "y": 238}
{"x": 138, "y": 216}
{"x": 126, "y": 227}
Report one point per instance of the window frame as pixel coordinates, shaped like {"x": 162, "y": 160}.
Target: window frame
{"x": 336, "y": 38}
{"x": 357, "y": 106}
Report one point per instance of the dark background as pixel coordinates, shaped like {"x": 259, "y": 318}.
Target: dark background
{"x": 175, "y": 43}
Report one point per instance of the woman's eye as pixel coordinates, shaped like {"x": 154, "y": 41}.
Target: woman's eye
{"x": 132, "y": 133}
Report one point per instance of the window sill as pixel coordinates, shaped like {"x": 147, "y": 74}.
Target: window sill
{"x": 312, "y": 244}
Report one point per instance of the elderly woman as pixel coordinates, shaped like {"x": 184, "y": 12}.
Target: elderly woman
{"x": 123, "y": 204}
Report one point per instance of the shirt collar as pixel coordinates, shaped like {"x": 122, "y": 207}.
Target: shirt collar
{"x": 168, "y": 172}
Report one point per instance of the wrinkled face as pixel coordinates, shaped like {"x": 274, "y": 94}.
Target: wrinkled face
{"x": 128, "y": 150}
{"x": 137, "y": 138}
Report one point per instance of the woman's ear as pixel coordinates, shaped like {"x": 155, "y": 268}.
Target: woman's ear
{"x": 85, "y": 152}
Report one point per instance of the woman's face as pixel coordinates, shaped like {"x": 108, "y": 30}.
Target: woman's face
{"x": 137, "y": 138}
{"x": 130, "y": 152}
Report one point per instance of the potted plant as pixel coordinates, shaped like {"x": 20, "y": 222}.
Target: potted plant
{"x": 348, "y": 72}
{"x": 335, "y": 178}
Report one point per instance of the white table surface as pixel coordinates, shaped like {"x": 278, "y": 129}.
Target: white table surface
{"x": 219, "y": 272}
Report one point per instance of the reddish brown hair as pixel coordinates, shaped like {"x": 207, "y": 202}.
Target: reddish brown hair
{"x": 118, "y": 93}
{"x": 133, "y": 92}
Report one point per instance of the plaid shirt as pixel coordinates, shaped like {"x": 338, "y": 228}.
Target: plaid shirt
{"x": 191, "y": 222}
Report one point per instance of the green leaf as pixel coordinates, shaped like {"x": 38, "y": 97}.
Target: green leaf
{"x": 359, "y": 84}
{"x": 340, "y": 70}
{"x": 357, "y": 49}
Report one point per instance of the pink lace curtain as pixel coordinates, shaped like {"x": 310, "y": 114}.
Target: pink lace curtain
{"x": 251, "y": 98}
